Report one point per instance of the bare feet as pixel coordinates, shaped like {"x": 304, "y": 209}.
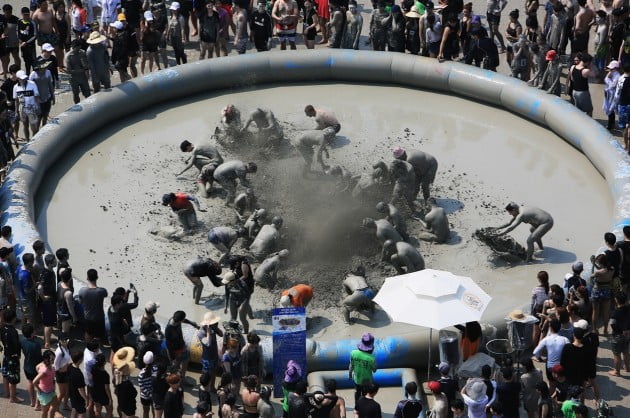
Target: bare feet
{"x": 16, "y": 399}
{"x": 614, "y": 373}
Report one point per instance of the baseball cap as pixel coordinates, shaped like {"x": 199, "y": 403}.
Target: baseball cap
{"x": 613, "y": 64}
{"x": 175, "y": 5}
{"x": 148, "y": 357}
{"x": 47, "y": 47}
{"x": 444, "y": 367}
{"x": 117, "y": 25}
{"x": 578, "y": 266}
{"x": 21, "y": 75}
{"x": 582, "y": 323}
{"x": 151, "y": 306}
{"x": 121, "y": 17}
{"x": 551, "y": 55}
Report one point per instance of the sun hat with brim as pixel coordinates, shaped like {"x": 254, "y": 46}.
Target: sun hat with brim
{"x": 228, "y": 277}
{"x": 121, "y": 17}
{"x": 96, "y": 38}
{"x": 293, "y": 373}
{"x": 210, "y": 319}
{"x": 124, "y": 357}
{"x": 613, "y": 65}
{"x": 21, "y": 75}
{"x": 366, "y": 343}
{"x": 477, "y": 391}
{"x": 516, "y": 315}
{"x": 413, "y": 13}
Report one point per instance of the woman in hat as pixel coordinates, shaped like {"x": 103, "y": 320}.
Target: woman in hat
{"x": 412, "y": 30}
{"x": 61, "y": 364}
{"x": 610, "y": 81}
{"x": 207, "y": 336}
{"x": 126, "y": 393}
{"x": 475, "y": 398}
{"x": 98, "y": 60}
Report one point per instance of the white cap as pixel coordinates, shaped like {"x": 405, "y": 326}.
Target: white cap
{"x": 148, "y": 14}
{"x": 175, "y": 5}
{"x": 117, "y": 24}
{"x": 148, "y": 357}
{"x": 21, "y": 75}
{"x": 48, "y": 47}
{"x": 285, "y": 301}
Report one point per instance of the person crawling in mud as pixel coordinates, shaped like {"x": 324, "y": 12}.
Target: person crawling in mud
{"x": 266, "y": 275}
{"x": 404, "y": 257}
{"x": 346, "y": 181}
{"x": 266, "y": 123}
{"x": 267, "y": 239}
{"x": 202, "y": 154}
{"x": 182, "y": 205}
{"x": 541, "y": 222}
{"x": 435, "y": 224}
{"x": 359, "y": 295}
{"x": 383, "y": 229}
{"x": 245, "y": 203}
{"x": 394, "y": 217}
{"x": 308, "y": 141}
{"x": 323, "y": 118}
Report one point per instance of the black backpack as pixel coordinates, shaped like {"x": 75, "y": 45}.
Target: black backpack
{"x": 411, "y": 408}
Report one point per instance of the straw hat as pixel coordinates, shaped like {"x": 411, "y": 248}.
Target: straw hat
{"x": 516, "y": 315}
{"x": 413, "y": 13}
{"x": 210, "y": 319}
{"x": 124, "y": 357}
{"x": 96, "y": 38}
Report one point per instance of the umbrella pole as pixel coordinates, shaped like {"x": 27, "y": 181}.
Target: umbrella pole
{"x": 429, "y": 362}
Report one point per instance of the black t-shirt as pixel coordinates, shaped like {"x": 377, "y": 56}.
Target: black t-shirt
{"x": 126, "y": 394}
{"x": 261, "y": 24}
{"x": 100, "y": 379}
{"x": 508, "y": 395}
{"x": 449, "y": 387}
{"x": 26, "y": 31}
{"x": 174, "y": 404}
{"x": 574, "y": 360}
{"x": 620, "y": 320}
{"x": 160, "y": 387}
{"x": 49, "y": 283}
{"x": 614, "y": 256}
{"x": 117, "y": 324}
{"x": 624, "y": 272}
{"x": 133, "y": 10}
{"x": 210, "y": 26}
{"x": 7, "y": 88}
{"x": 298, "y": 406}
{"x": 368, "y": 408}
{"x": 3, "y": 26}
{"x": 75, "y": 382}
{"x": 562, "y": 389}
{"x": 10, "y": 341}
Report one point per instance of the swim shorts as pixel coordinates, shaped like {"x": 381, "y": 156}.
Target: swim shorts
{"x": 624, "y": 116}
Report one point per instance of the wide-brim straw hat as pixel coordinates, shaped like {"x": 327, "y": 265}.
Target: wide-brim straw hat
{"x": 124, "y": 357}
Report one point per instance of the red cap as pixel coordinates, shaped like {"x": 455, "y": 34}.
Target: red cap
{"x": 558, "y": 369}
{"x": 551, "y": 55}
{"x": 435, "y": 387}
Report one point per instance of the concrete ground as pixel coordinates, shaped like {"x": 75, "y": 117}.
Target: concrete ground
{"x": 615, "y": 390}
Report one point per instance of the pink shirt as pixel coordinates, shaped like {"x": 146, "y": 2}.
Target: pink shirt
{"x": 47, "y": 383}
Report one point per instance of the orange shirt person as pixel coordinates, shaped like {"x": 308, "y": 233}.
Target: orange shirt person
{"x": 298, "y": 296}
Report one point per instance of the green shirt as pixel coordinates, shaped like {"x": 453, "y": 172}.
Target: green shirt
{"x": 363, "y": 366}
{"x": 567, "y": 409}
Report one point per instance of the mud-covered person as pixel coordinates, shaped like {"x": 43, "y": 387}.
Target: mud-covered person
{"x": 267, "y": 124}
{"x": 183, "y": 204}
{"x": 394, "y": 217}
{"x": 223, "y": 239}
{"x": 359, "y": 294}
{"x": 383, "y": 229}
{"x": 200, "y": 155}
{"x": 200, "y": 267}
{"x": 435, "y": 224}
{"x": 266, "y": 275}
{"x": 541, "y": 222}
{"x": 267, "y": 239}
{"x": 315, "y": 139}
{"x": 227, "y": 173}
{"x": 402, "y": 255}
{"x": 323, "y": 118}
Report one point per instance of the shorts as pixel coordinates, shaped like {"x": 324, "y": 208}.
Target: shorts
{"x": 549, "y": 374}
{"x": 46, "y": 398}
{"x": 11, "y": 370}
{"x": 310, "y": 34}
{"x": 146, "y": 402}
{"x": 102, "y": 401}
{"x": 78, "y": 405}
{"x": 623, "y": 112}
{"x": 619, "y": 344}
{"x": 493, "y": 19}
{"x": 287, "y": 36}
{"x": 180, "y": 354}
{"x": 30, "y": 115}
{"x": 208, "y": 366}
{"x": 30, "y": 374}
{"x": 149, "y": 48}
{"x": 601, "y": 294}
{"x": 580, "y": 43}
{"x": 49, "y": 308}
{"x": 241, "y": 46}
{"x": 46, "y": 38}
{"x": 434, "y": 47}
{"x": 96, "y": 328}
{"x": 61, "y": 377}
{"x": 10, "y": 50}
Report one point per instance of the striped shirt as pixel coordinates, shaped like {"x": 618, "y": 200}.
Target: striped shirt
{"x": 146, "y": 386}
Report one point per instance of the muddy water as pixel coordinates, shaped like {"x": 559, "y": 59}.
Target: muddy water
{"x": 102, "y": 201}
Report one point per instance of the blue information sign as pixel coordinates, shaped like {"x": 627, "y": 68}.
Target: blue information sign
{"x": 289, "y": 343}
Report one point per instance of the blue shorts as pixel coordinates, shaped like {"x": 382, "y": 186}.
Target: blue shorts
{"x": 601, "y": 294}
{"x": 208, "y": 366}
{"x": 623, "y": 113}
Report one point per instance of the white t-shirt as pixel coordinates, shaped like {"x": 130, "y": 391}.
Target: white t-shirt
{"x": 26, "y": 95}
{"x": 476, "y": 409}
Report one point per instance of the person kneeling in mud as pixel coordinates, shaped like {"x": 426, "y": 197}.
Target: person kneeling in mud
{"x": 245, "y": 203}
{"x": 266, "y": 275}
{"x": 346, "y": 181}
{"x": 360, "y": 295}
{"x": 269, "y": 130}
{"x": 309, "y": 140}
{"x": 182, "y": 205}
{"x": 231, "y": 121}
{"x": 541, "y": 222}
{"x": 267, "y": 239}
{"x": 199, "y": 267}
{"x": 254, "y": 224}
{"x": 435, "y": 224}
{"x": 394, "y": 217}
{"x": 401, "y": 254}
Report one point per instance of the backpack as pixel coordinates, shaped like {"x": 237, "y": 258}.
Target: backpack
{"x": 238, "y": 292}
{"x": 411, "y": 408}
